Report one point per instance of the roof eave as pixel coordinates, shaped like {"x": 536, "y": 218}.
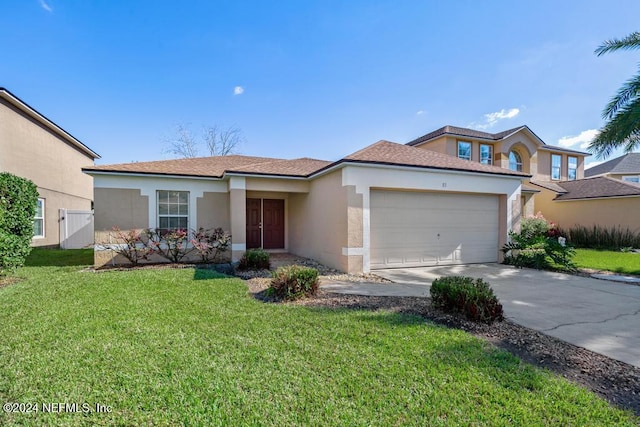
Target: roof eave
{"x": 346, "y": 162}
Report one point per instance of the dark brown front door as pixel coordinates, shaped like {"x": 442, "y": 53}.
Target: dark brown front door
{"x": 254, "y": 219}
{"x": 265, "y": 223}
{"x": 273, "y": 224}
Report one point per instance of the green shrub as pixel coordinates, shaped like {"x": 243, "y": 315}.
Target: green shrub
{"x": 598, "y": 237}
{"x": 255, "y": 259}
{"x": 18, "y": 199}
{"x": 294, "y": 281}
{"x": 472, "y": 298}
{"x": 539, "y": 245}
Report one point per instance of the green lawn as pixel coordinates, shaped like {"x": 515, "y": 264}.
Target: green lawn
{"x": 620, "y": 262}
{"x": 188, "y": 347}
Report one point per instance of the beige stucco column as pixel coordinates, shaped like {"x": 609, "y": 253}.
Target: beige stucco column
{"x": 238, "y": 216}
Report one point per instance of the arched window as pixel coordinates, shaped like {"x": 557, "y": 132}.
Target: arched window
{"x": 515, "y": 161}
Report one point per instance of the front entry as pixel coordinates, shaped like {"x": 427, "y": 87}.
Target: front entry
{"x": 265, "y": 223}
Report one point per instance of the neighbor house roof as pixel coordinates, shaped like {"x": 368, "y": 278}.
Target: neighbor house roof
{"x": 33, "y": 114}
{"x": 380, "y": 153}
{"x": 477, "y": 134}
{"x": 391, "y": 153}
{"x": 216, "y": 167}
{"x": 591, "y": 188}
{"x": 627, "y": 164}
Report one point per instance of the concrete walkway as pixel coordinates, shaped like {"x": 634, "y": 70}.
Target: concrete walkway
{"x": 599, "y": 315}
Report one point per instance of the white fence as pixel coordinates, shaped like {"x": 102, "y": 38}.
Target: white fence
{"x": 76, "y": 229}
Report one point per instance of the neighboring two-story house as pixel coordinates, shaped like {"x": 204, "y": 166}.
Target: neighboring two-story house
{"x": 557, "y": 187}
{"x": 33, "y": 147}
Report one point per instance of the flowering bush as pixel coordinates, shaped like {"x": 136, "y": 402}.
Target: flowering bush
{"x": 169, "y": 244}
{"x": 538, "y": 245}
{"x": 131, "y": 245}
{"x": 211, "y": 244}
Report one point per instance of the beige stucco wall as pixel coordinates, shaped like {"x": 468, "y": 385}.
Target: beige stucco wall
{"x": 29, "y": 150}
{"x": 119, "y": 207}
{"x": 318, "y": 225}
{"x": 607, "y": 212}
{"x": 213, "y": 211}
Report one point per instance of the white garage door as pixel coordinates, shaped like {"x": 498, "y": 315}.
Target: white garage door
{"x": 410, "y": 229}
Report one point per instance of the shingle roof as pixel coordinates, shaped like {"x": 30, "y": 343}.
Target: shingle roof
{"x": 391, "y": 153}
{"x": 216, "y": 167}
{"x": 469, "y": 133}
{"x": 591, "y": 188}
{"x": 472, "y": 133}
{"x": 629, "y": 163}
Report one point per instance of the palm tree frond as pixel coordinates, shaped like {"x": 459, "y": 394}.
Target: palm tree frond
{"x": 632, "y": 41}
{"x": 622, "y": 130}
{"x": 626, "y": 94}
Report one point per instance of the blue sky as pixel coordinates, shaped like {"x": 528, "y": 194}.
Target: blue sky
{"x": 313, "y": 78}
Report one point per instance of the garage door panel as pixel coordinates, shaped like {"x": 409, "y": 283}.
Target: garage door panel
{"x": 422, "y": 229}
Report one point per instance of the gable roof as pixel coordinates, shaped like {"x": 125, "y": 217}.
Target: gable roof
{"x": 31, "y": 112}
{"x": 380, "y": 153}
{"x": 591, "y": 188}
{"x": 391, "y": 153}
{"x": 629, "y": 163}
{"x": 476, "y": 134}
{"x": 216, "y": 167}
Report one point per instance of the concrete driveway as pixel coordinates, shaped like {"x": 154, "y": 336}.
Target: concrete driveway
{"x": 599, "y": 315}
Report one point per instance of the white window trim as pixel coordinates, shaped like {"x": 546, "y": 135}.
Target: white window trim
{"x": 44, "y": 233}
{"x": 637, "y": 177}
{"x": 470, "y": 150}
{"x": 187, "y": 216}
{"x": 569, "y": 168}
{"x": 559, "y": 168}
{"x": 490, "y": 153}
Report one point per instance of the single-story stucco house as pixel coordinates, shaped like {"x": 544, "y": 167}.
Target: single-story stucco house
{"x": 387, "y": 205}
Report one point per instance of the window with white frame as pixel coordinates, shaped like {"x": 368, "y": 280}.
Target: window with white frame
{"x": 464, "y": 150}
{"x": 515, "y": 161}
{"x": 486, "y": 154}
{"x": 38, "y": 219}
{"x": 173, "y": 210}
{"x": 572, "y": 169}
{"x": 556, "y": 164}
{"x": 631, "y": 178}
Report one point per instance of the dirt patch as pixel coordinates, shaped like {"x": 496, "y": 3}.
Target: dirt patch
{"x": 616, "y": 382}
{"x": 9, "y": 280}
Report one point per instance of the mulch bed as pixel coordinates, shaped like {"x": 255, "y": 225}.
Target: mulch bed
{"x": 616, "y": 382}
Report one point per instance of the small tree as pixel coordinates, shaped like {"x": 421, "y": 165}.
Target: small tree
{"x": 18, "y": 199}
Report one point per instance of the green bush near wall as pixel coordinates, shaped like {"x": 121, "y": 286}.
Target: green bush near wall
{"x": 18, "y": 199}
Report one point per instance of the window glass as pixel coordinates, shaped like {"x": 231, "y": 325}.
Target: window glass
{"x": 556, "y": 161}
{"x": 38, "y": 220}
{"x": 515, "y": 161}
{"x": 173, "y": 210}
{"x": 464, "y": 150}
{"x": 631, "y": 178}
{"x": 572, "y": 172}
{"x": 486, "y": 154}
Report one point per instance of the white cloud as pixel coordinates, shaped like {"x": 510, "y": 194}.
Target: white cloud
{"x": 45, "y": 6}
{"x": 420, "y": 112}
{"x": 492, "y": 118}
{"x": 238, "y": 90}
{"x": 584, "y": 139}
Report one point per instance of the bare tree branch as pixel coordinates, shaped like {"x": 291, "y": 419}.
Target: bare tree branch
{"x": 183, "y": 144}
{"x": 222, "y": 142}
